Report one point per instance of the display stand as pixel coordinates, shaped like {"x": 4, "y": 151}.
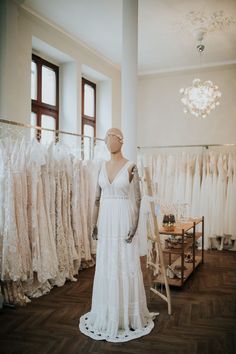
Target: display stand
{"x": 186, "y": 231}
{"x": 157, "y": 244}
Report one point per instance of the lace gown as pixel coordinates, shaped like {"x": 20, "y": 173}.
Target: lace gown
{"x": 196, "y": 189}
{"x": 230, "y": 205}
{"x": 119, "y": 310}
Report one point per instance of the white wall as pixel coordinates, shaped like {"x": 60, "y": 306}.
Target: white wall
{"x": 161, "y": 120}
{"x": 17, "y": 29}
{"x": 69, "y": 98}
{"x": 104, "y": 106}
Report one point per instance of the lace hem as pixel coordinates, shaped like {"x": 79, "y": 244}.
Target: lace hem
{"x": 121, "y": 336}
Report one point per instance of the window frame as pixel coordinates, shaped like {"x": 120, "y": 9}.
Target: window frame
{"x": 37, "y": 106}
{"x": 88, "y": 120}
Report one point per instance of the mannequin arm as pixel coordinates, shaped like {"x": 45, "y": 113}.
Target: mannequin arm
{"x": 137, "y": 193}
{"x": 95, "y": 213}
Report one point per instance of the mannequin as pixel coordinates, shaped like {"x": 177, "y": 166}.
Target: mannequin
{"x": 119, "y": 310}
{"x": 114, "y": 142}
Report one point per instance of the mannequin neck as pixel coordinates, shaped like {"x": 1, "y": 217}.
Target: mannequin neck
{"x": 115, "y": 156}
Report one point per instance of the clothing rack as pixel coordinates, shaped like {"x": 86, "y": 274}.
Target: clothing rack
{"x": 206, "y": 146}
{"x": 11, "y": 122}
{"x": 92, "y": 141}
{"x": 18, "y": 163}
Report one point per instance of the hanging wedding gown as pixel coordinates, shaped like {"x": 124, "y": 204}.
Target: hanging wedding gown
{"x": 189, "y": 185}
{"x": 230, "y": 205}
{"x": 11, "y": 259}
{"x": 196, "y": 188}
{"x": 119, "y": 310}
{"x": 220, "y": 196}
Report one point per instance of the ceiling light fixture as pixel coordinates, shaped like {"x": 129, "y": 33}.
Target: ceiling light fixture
{"x": 202, "y": 97}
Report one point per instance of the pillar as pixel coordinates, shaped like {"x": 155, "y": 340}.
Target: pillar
{"x": 129, "y": 78}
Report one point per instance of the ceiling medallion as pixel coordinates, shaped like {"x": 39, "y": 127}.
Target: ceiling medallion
{"x": 199, "y": 23}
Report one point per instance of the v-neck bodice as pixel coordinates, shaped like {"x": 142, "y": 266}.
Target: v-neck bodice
{"x": 120, "y": 185}
{"x": 117, "y": 174}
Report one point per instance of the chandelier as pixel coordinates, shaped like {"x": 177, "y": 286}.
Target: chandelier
{"x": 200, "y": 98}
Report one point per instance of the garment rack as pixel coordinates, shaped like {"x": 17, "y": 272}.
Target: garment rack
{"x": 11, "y": 122}
{"x": 92, "y": 141}
{"x": 206, "y": 146}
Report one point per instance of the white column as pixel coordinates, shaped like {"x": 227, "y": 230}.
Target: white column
{"x": 129, "y": 78}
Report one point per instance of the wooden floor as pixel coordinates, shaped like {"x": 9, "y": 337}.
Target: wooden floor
{"x": 203, "y": 320}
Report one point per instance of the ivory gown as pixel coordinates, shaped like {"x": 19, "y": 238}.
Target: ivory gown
{"x": 119, "y": 310}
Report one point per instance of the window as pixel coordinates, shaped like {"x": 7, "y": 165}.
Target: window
{"x": 88, "y": 114}
{"x": 44, "y": 97}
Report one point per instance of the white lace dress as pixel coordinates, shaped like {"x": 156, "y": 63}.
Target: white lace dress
{"x": 44, "y": 255}
{"x": 230, "y": 205}
{"x": 220, "y": 198}
{"x": 196, "y": 189}
{"x": 119, "y": 310}
{"x": 11, "y": 265}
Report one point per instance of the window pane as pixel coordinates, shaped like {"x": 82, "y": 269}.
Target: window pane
{"x": 33, "y": 80}
{"x": 89, "y": 101}
{"x": 48, "y": 86}
{"x": 33, "y": 121}
{"x": 89, "y": 131}
{"x": 49, "y": 123}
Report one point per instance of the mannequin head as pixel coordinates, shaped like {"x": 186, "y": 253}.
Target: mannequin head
{"x": 114, "y": 140}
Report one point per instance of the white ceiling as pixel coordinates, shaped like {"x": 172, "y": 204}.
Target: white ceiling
{"x": 162, "y": 47}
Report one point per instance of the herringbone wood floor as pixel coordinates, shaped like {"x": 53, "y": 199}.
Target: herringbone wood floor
{"x": 203, "y": 320}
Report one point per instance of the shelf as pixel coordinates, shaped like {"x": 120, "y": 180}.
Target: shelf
{"x": 196, "y": 220}
{"x": 183, "y": 229}
{"x": 197, "y": 235}
{"x": 180, "y": 227}
{"x": 187, "y": 243}
{"x": 187, "y": 272}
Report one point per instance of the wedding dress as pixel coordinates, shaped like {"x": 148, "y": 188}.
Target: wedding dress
{"x": 230, "y": 207}
{"x": 44, "y": 254}
{"x": 196, "y": 188}
{"x": 220, "y": 196}
{"x": 11, "y": 261}
{"x": 119, "y": 310}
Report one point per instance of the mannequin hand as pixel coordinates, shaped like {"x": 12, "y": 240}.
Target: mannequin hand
{"x": 95, "y": 233}
{"x": 130, "y": 235}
